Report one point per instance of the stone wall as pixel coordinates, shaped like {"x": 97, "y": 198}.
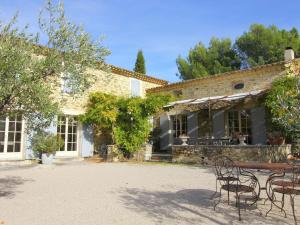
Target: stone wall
{"x": 223, "y": 84}
{"x": 106, "y": 82}
{"x": 201, "y": 153}
{"x": 141, "y": 155}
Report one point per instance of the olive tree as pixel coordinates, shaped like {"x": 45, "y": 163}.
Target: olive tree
{"x": 30, "y": 73}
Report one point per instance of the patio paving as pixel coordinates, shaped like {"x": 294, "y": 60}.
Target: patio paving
{"x": 118, "y": 193}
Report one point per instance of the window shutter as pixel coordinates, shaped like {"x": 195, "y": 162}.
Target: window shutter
{"x": 192, "y": 125}
{"x": 258, "y": 126}
{"x": 135, "y": 87}
{"x": 218, "y": 124}
{"x": 66, "y": 85}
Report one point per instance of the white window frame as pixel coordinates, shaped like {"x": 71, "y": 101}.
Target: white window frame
{"x": 65, "y": 89}
{"x": 65, "y": 152}
{"x": 12, "y": 155}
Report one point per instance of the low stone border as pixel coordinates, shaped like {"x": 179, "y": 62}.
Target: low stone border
{"x": 144, "y": 154}
{"x": 201, "y": 153}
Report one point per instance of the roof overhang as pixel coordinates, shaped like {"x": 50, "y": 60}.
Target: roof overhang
{"x": 215, "y": 102}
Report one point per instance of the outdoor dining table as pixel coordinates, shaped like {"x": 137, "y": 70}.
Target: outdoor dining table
{"x": 272, "y": 167}
{"x": 283, "y": 167}
{"x": 246, "y": 184}
{"x": 263, "y": 166}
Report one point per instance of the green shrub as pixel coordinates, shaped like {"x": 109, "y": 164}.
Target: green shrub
{"x": 283, "y": 101}
{"x": 45, "y": 142}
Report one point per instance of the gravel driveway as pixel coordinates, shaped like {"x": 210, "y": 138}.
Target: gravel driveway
{"x": 117, "y": 193}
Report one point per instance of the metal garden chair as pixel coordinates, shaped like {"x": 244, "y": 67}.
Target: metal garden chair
{"x": 232, "y": 179}
{"x": 281, "y": 184}
{"x": 224, "y": 171}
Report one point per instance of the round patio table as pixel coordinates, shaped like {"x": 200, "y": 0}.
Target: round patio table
{"x": 282, "y": 167}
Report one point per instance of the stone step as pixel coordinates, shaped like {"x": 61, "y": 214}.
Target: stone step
{"x": 156, "y": 159}
{"x": 28, "y": 162}
{"x": 161, "y": 157}
{"x": 68, "y": 159}
{"x": 17, "y": 162}
{"x": 94, "y": 159}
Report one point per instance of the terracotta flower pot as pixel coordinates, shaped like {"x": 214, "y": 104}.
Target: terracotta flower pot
{"x": 276, "y": 140}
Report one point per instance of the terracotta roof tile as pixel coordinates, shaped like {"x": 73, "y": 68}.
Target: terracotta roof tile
{"x": 136, "y": 75}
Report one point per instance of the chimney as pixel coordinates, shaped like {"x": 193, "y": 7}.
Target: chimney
{"x": 289, "y": 54}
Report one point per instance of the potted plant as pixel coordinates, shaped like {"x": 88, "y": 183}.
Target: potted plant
{"x": 45, "y": 144}
{"x": 242, "y": 139}
{"x": 276, "y": 138}
{"x": 184, "y": 138}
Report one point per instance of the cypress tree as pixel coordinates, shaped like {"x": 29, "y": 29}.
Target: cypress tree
{"x": 140, "y": 63}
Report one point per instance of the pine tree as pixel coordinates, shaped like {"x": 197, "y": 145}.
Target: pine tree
{"x": 140, "y": 63}
{"x": 265, "y": 45}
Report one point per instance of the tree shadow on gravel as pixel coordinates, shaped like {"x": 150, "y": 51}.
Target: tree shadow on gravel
{"x": 9, "y": 185}
{"x": 190, "y": 206}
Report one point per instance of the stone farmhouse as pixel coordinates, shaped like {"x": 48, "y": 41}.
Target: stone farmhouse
{"x": 223, "y": 109}
{"x": 78, "y": 137}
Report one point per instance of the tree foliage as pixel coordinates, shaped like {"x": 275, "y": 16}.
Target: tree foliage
{"x": 140, "y": 66}
{"x": 128, "y": 118}
{"x": 219, "y": 57}
{"x": 30, "y": 74}
{"x": 263, "y": 45}
{"x": 258, "y": 46}
{"x": 102, "y": 109}
{"x": 284, "y": 102}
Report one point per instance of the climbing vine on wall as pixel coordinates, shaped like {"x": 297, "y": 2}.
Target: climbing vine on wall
{"x": 127, "y": 118}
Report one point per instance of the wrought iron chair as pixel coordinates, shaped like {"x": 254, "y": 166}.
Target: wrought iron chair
{"x": 247, "y": 189}
{"x": 243, "y": 183}
{"x": 281, "y": 184}
{"x": 224, "y": 171}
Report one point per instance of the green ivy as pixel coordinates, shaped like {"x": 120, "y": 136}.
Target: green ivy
{"x": 128, "y": 118}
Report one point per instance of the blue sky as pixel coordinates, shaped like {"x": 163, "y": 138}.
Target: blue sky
{"x": 163, "y": 29}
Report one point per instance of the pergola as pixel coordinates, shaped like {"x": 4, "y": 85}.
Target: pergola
{"x": 214, "y": 102}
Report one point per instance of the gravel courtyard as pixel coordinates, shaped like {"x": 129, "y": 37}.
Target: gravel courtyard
{"x": 118, "y": 193}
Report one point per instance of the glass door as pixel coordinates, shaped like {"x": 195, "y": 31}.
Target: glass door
{"x": 239, "y": 123}
{"x": 67, "y": 129}
{"x": 11, "y": 137}
{"x": 179, "y": 125}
